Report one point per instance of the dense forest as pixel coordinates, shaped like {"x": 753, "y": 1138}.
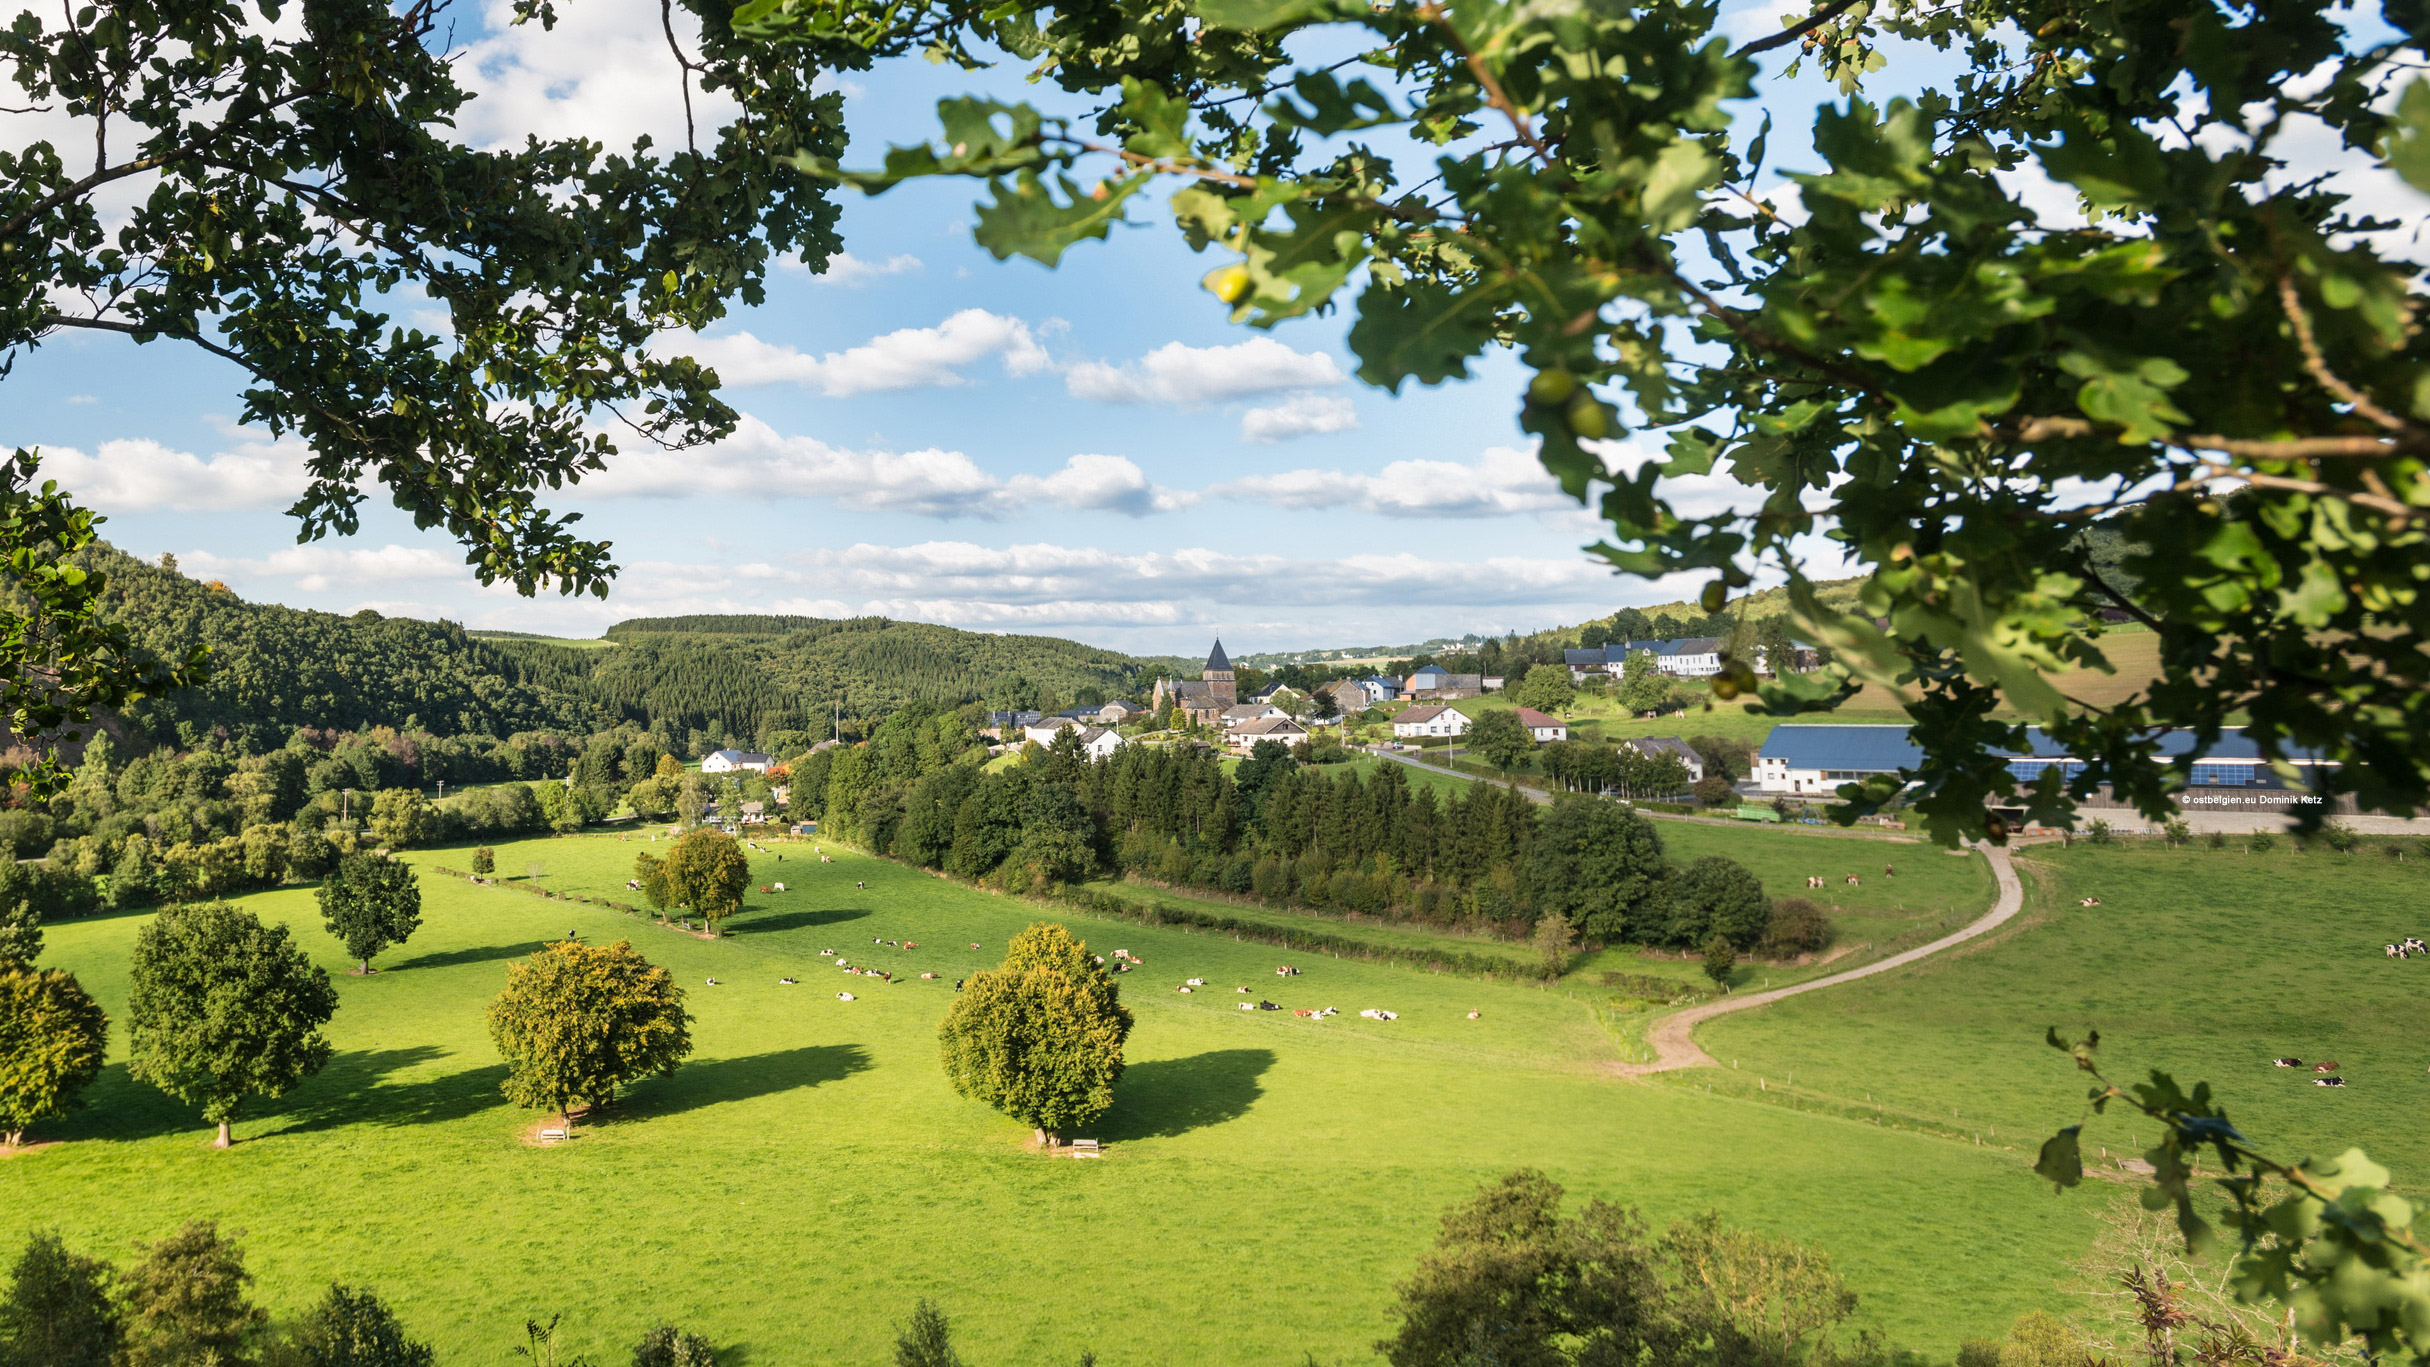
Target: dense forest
{"x": 695, "y": 683}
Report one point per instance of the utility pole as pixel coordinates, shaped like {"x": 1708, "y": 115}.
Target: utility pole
{"x": 346, "y": 805}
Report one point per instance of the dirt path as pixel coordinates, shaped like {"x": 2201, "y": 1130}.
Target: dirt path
{"x": 1672, "y": 1036}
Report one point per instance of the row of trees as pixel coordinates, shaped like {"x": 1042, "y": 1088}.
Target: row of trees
{"x": 1290, "y": 834}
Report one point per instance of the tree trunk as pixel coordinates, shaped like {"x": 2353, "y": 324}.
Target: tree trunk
{"x": 366, "y": 968}
{"x": 225, "y": 1139}
{"x": 15, "y": 1137}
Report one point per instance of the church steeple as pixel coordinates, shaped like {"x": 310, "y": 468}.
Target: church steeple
{"x": 1219, "y": 678}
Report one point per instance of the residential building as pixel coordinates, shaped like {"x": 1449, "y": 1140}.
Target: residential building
{"x": 1380, "y": 688}
{"x": 1543, "y": 727}
{"x": 1203, "y": 700}
{"x": 728, "y": 761}
{"x": 1655, "y": 747}
{"x": 1009, "y": 725}
{"x": 1691, "y": 657}
{"x": 1044, "y": 732}
{"x": 1249, "y": 711}
{"x": 1118, "y": 712}
{"x": 1245, "y": 736}
{"x": 1099, "y": 742}
{"x": 1427, "y": 721}
{"x": 1349, "y": 696}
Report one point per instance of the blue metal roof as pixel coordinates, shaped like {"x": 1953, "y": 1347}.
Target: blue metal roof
{"x": 1877, "y": 749}
{"x": 1884, "y": 748}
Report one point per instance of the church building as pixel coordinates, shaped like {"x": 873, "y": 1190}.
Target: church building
{"x": 1203, "y": 701}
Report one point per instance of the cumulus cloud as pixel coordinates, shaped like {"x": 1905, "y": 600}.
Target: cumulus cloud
{"x": 322, "y": 566}
{"x": 1190, "y": 377}
{"x": 602, "y": 71}
{"x": 852, "y": 272}
{"x": 1504, "y": 481}
{"x": 758, "y": 461}
{"x": 1303, "y": 414}
{"x": 142, "y": 476}
{"x": 909, "y": 358}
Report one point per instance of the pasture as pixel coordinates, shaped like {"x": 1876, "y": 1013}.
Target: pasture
{"x": 809, "y": 1173}
{"x": 2203, "y": 963}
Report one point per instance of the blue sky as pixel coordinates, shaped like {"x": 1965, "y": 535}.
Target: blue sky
{"x": 1090, "y": 452}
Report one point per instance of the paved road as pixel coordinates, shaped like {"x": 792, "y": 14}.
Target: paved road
{"x": 1672, "y": 1036}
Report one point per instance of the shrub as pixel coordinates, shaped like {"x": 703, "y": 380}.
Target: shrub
{"x": 2261, "y": 842}
{"x": 186, "y": 1302}
{"x": 668, "y": 1346}
{"x": 1719, "y": 959}
{"x": 2175, "y": 831}
{"x": 2218, "y": 841}
{"x": 351, "y": 1328}
{"x": 1715, "y": 791}
{"x": 2098, "y": 832}
{"x": 485, "y": 861}
{"x": 1979, "y": 1353}
{"x": 1797, "y": 926}
{"x": 2340, "y": 837}
{"x": 58, "y": 1310}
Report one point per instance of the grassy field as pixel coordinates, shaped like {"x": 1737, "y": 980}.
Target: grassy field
{"x": 2206, "y": 964}
{"x": 808, "y": 1173}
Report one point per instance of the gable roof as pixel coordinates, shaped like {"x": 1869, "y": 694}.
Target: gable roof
{"x": 1810, "y": 746}
{"x": 1216, "y": 659}
{"x": 1531, "y": 718}
{"x": 743, "y": 757}
{"x": 1650, "y": 746}
{"x": 1592, "y": 655}
{"x": 1268, "y": 726}
{"x": 1429, "y": 669}
{"x": 1420, "y": 714}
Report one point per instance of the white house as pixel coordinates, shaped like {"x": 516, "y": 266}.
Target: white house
{"x": 1430, "y": 721}
{"x": 1251, "y": 711}
{"x": 1245, "y": 736}
{"x": 1045, "y": 732}
{"x": 1654, "y": 747}
{"x": 1543, "y": 727}
{"x": 1099, "y": 742}
{"x": 1117, "y": 712}
{"x": 727, "y": 761}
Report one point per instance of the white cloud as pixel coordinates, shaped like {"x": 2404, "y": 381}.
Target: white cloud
{"x": 1188, "y": 376}
{"x": 142, "y": 476}
{"x": 1504, "y": 481}
{"x": 82, "y": 398}
{"x": 852, "y": 272}
{"x": 908, "y": 358}
{"x": 322, "y": 566}
{"x": 603, "y": 71}
{"x": 759, "y": 462}
{"x": 1303, "y": 414}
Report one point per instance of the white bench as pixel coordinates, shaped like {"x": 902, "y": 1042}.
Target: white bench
{"x": 552, "y": 1134}
{"x": 1085, "y": 1145}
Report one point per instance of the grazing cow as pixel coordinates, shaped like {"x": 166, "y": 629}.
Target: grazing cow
{"x": 712, "y": 982}
{"x": 863, "y": 886}
{"x": 787, "y": 982}
{"x": 974, "y": 944}
{"x": 2328, "y": 1082}
{"x": 1240, "y": 989}
{"x": 846, "y": 997}
{"x": 2324, "y": 1067}
{"x": 2286, "y": 1062}
{"x": 2392, "y": 951}
{"x": 957, "y": 984}
{"x": 780, "y": 887}
{"x": 1889, "y": 872}
{"x": 1852, "y": 881}
{"x": 926, "y": 976}
{"x": 632, "y": 885}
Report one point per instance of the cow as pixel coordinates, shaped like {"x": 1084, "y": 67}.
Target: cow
{"x": 1473, "y": 1015}
{"x": 926, "y": 976}
{"x": 2286, "y": 1062}
{"x": 1853, "y": 881}
{"x": 786, "y": 982}
{"x": 1197, "y": 982}
{"x": 1240, "y": 989}
{"x": 2325, "y": 1067}
{"x": 780, "y": 887}
{"x": 2328, "y": 1082}
{"x": 1185, "y": 989}
{"x": 846, "y": 997}
{"x": 1248, "y": 1006}
{"x": 712, "y": 982}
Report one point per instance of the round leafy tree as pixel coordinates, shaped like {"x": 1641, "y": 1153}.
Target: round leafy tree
{"x": 577, "y": 1021}
{"x": 1039, "y": 1037}
{"x": 1500, "y": 739}
{"x": 1598, "y": 867}
{"x": 707, "y": 871}
{"x": 485, "y": 861}
{"x": 369, "y": 903}
{"x": 1716, "y": 895}
{"x": 52, "y": 1037}
{"x": 221, "y": 1007}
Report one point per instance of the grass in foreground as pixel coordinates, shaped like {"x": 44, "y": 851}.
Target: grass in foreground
{"x": 809, "y": 1173}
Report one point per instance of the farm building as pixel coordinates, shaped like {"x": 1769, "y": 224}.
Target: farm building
{"x": 1805, "y": 758}
{"x": 727, "y": 761}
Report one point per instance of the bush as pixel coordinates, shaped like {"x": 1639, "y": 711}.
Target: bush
{"x": 1979, "y": 1353}
{"x": 2261, "y": 842}
{"x": 2098, "y": 832}
{"x": 2340, "y": 837}
{"x": 2218, "y": 841}
{"x": 1797, "y": 927}
{"x": 1715, "y": 791}
{"x": 1716, "y": 895}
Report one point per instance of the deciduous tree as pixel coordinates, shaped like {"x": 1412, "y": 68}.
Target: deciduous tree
{"x": 52, "y": 1038}
{"x": 186, "y": 1303}
{"x": 1500, "y": 739}
{"x": 350, "y": 1327}
{"x": 2228, "y": 354}
{"x": 1040, "y": 1036}
{"x": 369, "y": 903}
{"x": 576, "y": 1022}
{"x": 59, "y": 1311}
{"x": 401, "y": 818}
{"x": 1717, "y": 895}
{"x": 708, "y": 872}
{"x": 1547, "y": 688}
{"x": 222, "y": 1008}
{"x": 1596, "y": 867}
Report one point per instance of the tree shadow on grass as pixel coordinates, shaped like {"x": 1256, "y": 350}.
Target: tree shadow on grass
{"x": 760, "y": 923}
{"x": 711, "y": 1081}
{"x": 353, "y": 1090}
{"x": 1173, "y": 1096}
{"x": 117, "y": 1107}
{"x": 452, "y": 958}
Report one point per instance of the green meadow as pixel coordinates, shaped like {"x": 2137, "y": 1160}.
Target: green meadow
{"x": 808, "y": 1174}
{"x": 2206, "y": 964}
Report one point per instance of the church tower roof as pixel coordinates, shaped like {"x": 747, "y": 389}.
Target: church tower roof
{"x": 1215, "y": 658}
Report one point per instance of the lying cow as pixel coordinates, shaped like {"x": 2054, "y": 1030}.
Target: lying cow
{"x": 2328, "y": 1082}
{"x": 2287, "y": 1062}
{"x": 2325, "y": 1067}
